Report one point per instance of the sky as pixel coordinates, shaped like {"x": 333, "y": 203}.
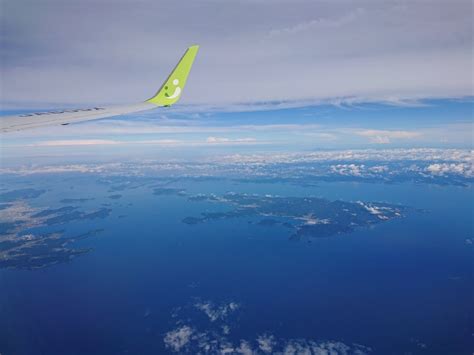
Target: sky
{"x": 270, "y": 75}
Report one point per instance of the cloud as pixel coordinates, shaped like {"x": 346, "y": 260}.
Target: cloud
{"x": 357, "y": 155}
{"x": 323, "y": 23}
{"x": 216, "y": 312}
{"x": 302, "y": 346}
{"x": 212, "y": 338}
{"x": 185, "y": 339}
{"x": 244, "y": 348}
{"x": 140, "y": 125}
{"x": 178, "y": 338}
{"x": 183, "y": 131}
{"x": 59, "y": 143}
{"x": 163, "y": 142}
{"x": 385, "y": 137}
{"x": 92, "y": 142}
{"x": 266, "y": 343}
{"x": 440, "y": 169}
{"x": 137, "y": 126}
{"x": 222, "y": 140}
{"x": 319, "y": 50}
{"x": 348, "y": 169}
{"x": 421, "y": 165}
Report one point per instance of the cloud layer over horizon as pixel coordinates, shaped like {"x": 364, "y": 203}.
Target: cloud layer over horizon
{"x": 252, "y": 51}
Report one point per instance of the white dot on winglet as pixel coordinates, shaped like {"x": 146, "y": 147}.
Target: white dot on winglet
{"x": 175, "y": 82}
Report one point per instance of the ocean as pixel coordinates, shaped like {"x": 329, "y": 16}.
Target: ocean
{"x": 401, "y": 286}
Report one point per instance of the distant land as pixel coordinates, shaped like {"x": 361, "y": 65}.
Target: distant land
{"x": 34, "y": 237}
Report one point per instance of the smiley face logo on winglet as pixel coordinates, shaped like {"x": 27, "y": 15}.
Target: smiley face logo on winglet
{"x": 177, "y": 90}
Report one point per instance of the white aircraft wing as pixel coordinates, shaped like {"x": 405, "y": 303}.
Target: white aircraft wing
{"x": 168, "y": 94}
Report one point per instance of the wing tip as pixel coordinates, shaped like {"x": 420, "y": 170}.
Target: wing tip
{"x": 170, "y": 92}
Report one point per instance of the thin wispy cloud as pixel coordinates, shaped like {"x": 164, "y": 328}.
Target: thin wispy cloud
{"x": 385, "y": 136}
{"x": 159, "y": 142}
{"x": 220, "y": 140}
{"x": 62, "y": 143}
{"x": 113, "y": 133}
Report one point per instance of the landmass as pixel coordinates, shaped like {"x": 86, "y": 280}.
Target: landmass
{"x": 168, "y": 191}
{"x": 74, "y": 200}
{"x": 20, "y": 194}
{"x": 307, "y": 217}
{"x": 25, "y": 242}
{"x": 31, "y": 252}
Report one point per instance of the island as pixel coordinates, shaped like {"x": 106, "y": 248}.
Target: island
{"x": 306, "y": 217}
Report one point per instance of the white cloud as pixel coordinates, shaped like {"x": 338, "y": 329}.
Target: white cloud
{"x": 382, "y": 164}
{"x": 358, "y": 155}
{"x": 225, "y": 329}
{"x": 302, "y": 346}
{"x": 358, "y": 169}
{"x": 186, "y": 339}
{"x": 76, "y": 142}
{"x": 177, "y": 339}
{"x": 152, "y": 130}
{"x": 245, "y": 348}
{"x": 266, "y": 342}
{"x": 320, "y": 23}
{"x": 216, "y": 312}
{"x": 92, "y": 142}
{"x": 385, "y": 136}
{"x": 379, "y": 169}
{"x": 348, "y": 169}
{"x": 139, "y": 141}
{"x": 463, "y": 169}
{"x": 223, "y": 140}
{"x": 216, "y": 338}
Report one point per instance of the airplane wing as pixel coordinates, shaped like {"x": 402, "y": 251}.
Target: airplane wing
{"x": 168, "y": 94}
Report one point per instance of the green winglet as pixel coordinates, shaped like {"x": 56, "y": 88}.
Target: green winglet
{"x": 172, "y": 88}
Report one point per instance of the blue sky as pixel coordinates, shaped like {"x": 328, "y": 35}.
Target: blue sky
{"x": 183, "y": 134}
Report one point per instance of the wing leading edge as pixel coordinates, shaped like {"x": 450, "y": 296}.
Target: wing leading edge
{"x": 168, "y": 94}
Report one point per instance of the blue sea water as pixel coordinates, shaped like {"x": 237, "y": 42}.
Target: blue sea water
{"x": 403, "y": 286}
